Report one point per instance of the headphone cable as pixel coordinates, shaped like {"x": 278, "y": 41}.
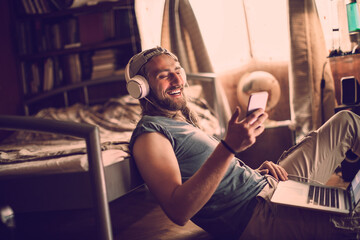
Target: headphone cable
{"x": 305, "y": 178}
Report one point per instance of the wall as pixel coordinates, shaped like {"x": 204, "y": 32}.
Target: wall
{"x": 10, "y": 91}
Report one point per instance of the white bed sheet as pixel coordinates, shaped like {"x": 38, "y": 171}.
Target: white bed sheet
{"x": 73, "y": 163}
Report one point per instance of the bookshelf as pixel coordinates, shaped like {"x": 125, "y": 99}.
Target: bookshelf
{"x": 64, "y": 52}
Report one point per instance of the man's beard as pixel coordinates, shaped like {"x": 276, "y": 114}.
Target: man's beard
{"x": 168, "y": 104}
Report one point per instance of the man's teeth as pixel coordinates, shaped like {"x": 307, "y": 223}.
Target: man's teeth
{"x": 174, "y": 92}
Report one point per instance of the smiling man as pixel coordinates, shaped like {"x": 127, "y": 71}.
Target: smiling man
{"x": 196, "y": 177}
{"x": 167, "y": 79}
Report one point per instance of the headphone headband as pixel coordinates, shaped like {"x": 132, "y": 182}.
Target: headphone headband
{"x": 140, "y": 59}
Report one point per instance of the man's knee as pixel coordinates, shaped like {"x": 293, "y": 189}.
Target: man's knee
{"x": 345, "y": 116}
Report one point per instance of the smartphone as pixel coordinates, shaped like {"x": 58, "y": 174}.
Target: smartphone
{"x": 257, "y": 100}
{"x": 349, "y": 90}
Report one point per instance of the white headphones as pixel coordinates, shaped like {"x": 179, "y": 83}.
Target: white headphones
{"x": 137, "y": 85}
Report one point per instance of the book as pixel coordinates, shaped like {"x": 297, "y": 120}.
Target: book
{"x": 56, "y": 36}
{"x": 103, "y": 63}
{"x": 38, "y": 7}
{"x": 103, "y": 57}
{"x": 71, "y": 68}
{"x": 109, "y": 24}
{"x": 26, "y": 31}
{"x": 122, "y": 23}
{"x": 70, "y": 32}
{"x": 58, "y": 72}
{"x": 104, "y": 66}
{"x": 24, "y": 73}
{"x": 102, "y": 73}
{"x": 31, "y": 5}
{"x": 35, "y": 81}
{"x": 26, "y": 6}
{"x": 86, "y": 65}
{"x": 91, "y": 28}
{"x": 48, "y": 80}
{"x": 61, "y": 4}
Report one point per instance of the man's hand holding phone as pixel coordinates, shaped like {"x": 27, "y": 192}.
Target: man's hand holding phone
{"x": 242, "y": 133}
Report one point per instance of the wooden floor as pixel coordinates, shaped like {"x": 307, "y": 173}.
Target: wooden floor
{"x": 135, "y": 216}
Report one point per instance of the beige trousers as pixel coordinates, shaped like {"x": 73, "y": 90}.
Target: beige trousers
{"x": 316, "y": 158}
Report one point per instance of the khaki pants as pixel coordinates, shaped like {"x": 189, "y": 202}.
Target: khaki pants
{"x": 316, "y": 158}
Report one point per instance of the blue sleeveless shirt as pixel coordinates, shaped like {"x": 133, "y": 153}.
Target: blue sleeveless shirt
{"x": 228, "y": 211}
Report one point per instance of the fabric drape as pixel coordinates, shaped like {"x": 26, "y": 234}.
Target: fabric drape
{"x": 181, "y": 35}
{"x": 310, "y": 104}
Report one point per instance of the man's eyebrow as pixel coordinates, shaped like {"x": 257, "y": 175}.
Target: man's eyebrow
{"x": 166, "y": 70}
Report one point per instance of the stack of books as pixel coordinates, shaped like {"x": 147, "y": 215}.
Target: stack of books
{"x": 103, "y": 63}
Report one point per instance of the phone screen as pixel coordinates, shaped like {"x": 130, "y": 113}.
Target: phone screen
{"x": 348, "y": 90}
{"x": 257, "y": 100}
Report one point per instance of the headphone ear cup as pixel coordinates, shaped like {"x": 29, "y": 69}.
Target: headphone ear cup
{"x": 138, "y": 87}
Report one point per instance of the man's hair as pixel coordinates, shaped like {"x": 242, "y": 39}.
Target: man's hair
{"x": 139, "y": 60}
{"x": 149, "y": 104}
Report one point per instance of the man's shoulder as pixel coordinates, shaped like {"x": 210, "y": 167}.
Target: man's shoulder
{"x": 148, "y": 119}
{"x": 151, "y": 123}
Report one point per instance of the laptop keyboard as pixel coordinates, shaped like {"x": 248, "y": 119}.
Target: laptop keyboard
{"x": 323, "y": 196}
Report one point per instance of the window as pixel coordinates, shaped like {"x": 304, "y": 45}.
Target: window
{"x": 231, "y": 36}
{"x": 231, "y": 42}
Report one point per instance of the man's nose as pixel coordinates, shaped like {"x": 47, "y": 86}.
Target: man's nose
{"x": 176, "y": 78}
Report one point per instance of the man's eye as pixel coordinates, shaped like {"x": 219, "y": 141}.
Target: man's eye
{"x": 163, "y": 76}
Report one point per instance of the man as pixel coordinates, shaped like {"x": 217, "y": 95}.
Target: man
{"x": 193, "y": 176}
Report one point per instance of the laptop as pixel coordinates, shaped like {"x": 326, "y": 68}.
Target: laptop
{"x": 318, "y": 197}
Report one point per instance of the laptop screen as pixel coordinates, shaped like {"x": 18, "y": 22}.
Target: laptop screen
{"x": 355, "y": 188}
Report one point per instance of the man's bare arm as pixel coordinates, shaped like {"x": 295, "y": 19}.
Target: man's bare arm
{"x": 158, "y": 166}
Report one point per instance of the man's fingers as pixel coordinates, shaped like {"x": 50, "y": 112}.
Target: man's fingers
{"x": 279, "y": 172}
{"x": 256, "y": 116}
{"x": 275, "y": 170}
{"x": 235, "y": 115}
{"x": 263, "y": 171}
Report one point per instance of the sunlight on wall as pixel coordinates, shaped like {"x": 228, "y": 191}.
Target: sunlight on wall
{"x": 268, "y": 29}
{"x": 149, "y": 14}
{"x": 224, "y": 31}
{"x": 223, "y": 26}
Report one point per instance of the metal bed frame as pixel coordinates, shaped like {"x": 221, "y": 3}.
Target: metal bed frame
{"x": 90, "y": 134}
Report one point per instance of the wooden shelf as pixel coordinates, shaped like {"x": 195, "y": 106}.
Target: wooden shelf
{"x": 344, "y": 66}
{"x": 71, "y": 50}
{"x": 99, "y": 7}
{"x": 59, "y": 52}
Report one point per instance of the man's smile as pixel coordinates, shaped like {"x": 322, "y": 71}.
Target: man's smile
{"x": 174, "y": 92}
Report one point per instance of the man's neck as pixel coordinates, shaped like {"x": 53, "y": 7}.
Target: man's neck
{"x": 179, "y": 116}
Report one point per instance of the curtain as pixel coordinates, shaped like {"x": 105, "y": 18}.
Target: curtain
{"x": 312, "y": 97}
{"x": 181, "y": 35}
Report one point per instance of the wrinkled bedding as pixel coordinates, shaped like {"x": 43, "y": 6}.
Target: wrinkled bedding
{"x": 40, "y": 153}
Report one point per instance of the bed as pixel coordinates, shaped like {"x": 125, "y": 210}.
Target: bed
{"x": 77, "y": 156}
